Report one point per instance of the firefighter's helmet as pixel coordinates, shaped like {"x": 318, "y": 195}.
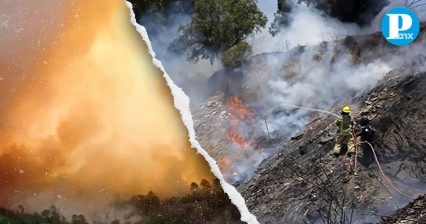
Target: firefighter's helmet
{"x": 346, "y": 109}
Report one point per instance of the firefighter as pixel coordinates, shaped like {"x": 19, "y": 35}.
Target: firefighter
{"x": 344, "y": 139}
{"x": 366, "y": 134}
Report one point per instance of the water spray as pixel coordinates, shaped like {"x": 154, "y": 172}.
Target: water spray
{"x": 294, "y": 106}
{"x": 356, "y": 143}
{"x": 304, "y": 108}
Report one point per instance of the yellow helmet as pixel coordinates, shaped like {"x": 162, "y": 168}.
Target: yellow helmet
{"x": 346, "y": 109}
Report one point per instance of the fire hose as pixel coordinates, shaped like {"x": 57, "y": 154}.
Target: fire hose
{"x": 381, "y": 171}
{"x": 377, "y": 162}
{"x": 355, "y": 145}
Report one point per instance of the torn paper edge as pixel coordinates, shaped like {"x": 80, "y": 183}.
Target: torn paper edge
{"x": 181, "y": 102}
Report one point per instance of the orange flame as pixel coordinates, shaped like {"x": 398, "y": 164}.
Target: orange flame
{"x": 239, "y": 115}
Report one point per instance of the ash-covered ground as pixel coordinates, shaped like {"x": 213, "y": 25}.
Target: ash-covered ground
{"x": 283, "y": 166}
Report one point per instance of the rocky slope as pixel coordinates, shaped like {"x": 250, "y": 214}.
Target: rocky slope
{"x": 238, "y": 147}
{"x": 296, "y": 180}
{"x": 300, "y": 182}
{"x": 413, "y": 213}
{"x": 305, "y": 183}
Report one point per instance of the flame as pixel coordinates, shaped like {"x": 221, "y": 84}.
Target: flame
{"x": 241, "y": 125}
{"x": 239, "y": 115}
{"x": 225, "y": 166}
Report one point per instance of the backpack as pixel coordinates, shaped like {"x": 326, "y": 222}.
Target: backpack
{"x": 367, "y": 134}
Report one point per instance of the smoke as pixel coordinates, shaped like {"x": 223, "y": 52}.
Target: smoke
{"x": 404, "y": 182}
{"x": 308, "y": 26}
{"x": 191, "y": 77}
{"x": 17, "y": 23}
{"x": 419, "y": 8}
{"x": 89, "y": 119}
{"x": 319, "y": 84}
{"x": 321, "y": 78}
{"x": 329, "y": 71}
{"x": 320, "y": 75}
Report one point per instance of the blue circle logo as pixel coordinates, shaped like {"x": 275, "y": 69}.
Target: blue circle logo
{"x": 400, "y": 26}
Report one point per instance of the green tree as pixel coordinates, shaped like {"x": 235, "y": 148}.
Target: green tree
{"x": 236, "y": 55}
{"x": 216, "y": 26}
{"x": 281, "y": 17}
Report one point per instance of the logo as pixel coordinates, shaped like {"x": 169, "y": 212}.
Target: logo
{"x": 400, "y": 26}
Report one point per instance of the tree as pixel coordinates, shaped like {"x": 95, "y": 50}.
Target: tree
{"x": 281, "y": 17}
{"x": 194, "y": 187}
{"x": 78, "y": 219}
{"x": 154, "y": 15}
{"x": 236, "y": 55}
{"x": 52, "y": 216}
{"x": 206, "y": 184}
{"x": 216, "y": 26}
{"x": 147, "y": 204}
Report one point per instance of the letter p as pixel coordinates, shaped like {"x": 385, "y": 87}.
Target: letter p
{"x": 394, "y": 28}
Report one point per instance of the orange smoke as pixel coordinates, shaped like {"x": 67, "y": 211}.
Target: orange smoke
{"x": 92, "y": 119}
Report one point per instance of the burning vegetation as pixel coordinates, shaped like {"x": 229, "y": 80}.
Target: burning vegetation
{"x": 234, "y": 146}
{"x": 240, "y": 116}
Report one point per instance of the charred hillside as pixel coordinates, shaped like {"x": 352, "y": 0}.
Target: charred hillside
{"x": 278, "y": 154}
{"x": 304, "y": 183}
{"x": 414, "y": 212}
{"x": 313, "y": 76}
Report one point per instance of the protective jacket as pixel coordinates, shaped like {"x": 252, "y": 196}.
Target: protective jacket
{"x": 345, "y": 124}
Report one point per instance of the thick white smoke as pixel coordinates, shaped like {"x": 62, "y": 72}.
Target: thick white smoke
{"x": 316, "y": 77}
{"x": 309, "y": 78}
{"x": 320, "y": 85}
{"x": 320, "y": 75}
{"x": 308, "y": 26}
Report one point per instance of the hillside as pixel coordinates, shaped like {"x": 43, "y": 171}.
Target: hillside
{"x": 305, "y": 181}
{"x": 281, "y": 161}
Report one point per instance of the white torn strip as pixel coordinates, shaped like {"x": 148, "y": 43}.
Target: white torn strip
{"x": 181, "y": 102}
